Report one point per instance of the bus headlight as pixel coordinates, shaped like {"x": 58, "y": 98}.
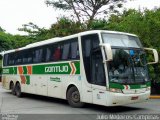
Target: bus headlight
{"x": 148, "y": 88}
{"x": 115, "y": 90}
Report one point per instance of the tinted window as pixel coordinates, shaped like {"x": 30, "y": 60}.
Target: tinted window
{"x": 74, "y": 50}
{"x": 11, "y": 59}
{"x": 57, "y": 52}
{"x": 64, "y": 50}
{"x": 89, "y": 42}
{"x": 18, "y": 57}
{"x": 27, "y": 56}
{"x": 5, "y": 60}
{"x": 37, "y": 55}
{"x": 48, "y": 54}
{"x": 121, "y": 40}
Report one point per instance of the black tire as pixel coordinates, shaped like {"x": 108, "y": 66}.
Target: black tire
{"x": 12, "y": 87}
{"x": 18, "y": 90}
{"x": 73, "y": 97}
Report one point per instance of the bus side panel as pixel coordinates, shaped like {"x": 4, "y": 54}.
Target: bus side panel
{"x": 55, "y": 85}
{"x": 87, "y": 94}
{"x": 5, "y": 81}
{"x": 41, "y": 84}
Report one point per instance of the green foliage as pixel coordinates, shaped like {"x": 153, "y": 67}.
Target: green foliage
{"x": 87, "y": 9}
{"x": 1, "y": 29}
{"x": 65, "y": 26}
{"x": 34, "y": 32}
{"x": 5, "y": 41}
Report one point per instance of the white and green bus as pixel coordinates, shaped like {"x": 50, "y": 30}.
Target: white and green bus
{"x": 100, "y": 67}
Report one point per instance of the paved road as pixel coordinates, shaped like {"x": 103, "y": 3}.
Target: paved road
{"x": 49, "y": 108}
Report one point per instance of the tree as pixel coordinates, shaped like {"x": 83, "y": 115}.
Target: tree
{"x": 87, "y": 9}
{"x": 31, "y": 28}
{"x": 1, "y": 29}
{"x": 64, "y": 26}
{"x": 5, "y": 41}
{"x": 34, "y": 31}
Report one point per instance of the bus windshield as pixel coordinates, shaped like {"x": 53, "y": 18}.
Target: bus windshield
{"x": 129, "y": 60}
{"x": 121, "y": 40}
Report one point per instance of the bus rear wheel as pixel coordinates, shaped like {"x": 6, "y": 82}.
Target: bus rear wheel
{"x": 18, "y": 90}
{"x": 73, "y": 97}
{"x": 12, "y": 87}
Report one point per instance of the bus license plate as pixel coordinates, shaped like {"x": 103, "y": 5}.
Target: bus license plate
{"x": 134, "y": 98}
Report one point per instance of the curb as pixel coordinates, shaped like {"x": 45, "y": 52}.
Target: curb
{"x": 154, "y": 97}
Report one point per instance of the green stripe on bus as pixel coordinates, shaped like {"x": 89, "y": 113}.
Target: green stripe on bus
{"x": 27, "y": 79}
{"x": 77, "y": 65}
{"x": 60, "y": 68}
{"x": 15, "y": 70}
{"x": 9, "y": 70}
{"x": 24, "y": 70}
{"x": 116, "y": 85}
{"x": 136, "y": 86}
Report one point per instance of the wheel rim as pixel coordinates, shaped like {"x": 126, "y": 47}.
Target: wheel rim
{"x": 75, "y": 96}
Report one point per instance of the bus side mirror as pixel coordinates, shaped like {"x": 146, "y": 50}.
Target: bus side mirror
{"x": 108, "y": 51}
{"x": 155, "y": 53}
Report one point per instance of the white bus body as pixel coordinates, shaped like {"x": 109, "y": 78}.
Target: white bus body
{"x": 99, "y": 67}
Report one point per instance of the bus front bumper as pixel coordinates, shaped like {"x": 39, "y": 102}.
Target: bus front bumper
{"x": 116, "y": 99}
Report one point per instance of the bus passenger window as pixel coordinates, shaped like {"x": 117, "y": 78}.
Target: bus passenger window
{"x": 66, "y": 51}
{"x": 5, "y": 61}
{"x": 11, "y": 59}
{"x": 18, "y": 58}
{"x": 48, "y": 54}
{"x": 38, "y": 56}
{"x": 74, "y": 50}
{"x": 57, "y": 54}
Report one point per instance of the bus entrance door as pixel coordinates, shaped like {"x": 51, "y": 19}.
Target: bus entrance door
{"x": 98, "y": 79}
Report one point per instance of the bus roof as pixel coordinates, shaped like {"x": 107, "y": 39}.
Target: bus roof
{"x": 57, "y": 39}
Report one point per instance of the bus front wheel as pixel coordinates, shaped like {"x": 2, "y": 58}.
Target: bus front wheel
{"x": 18, "y": 90}
{"x": 73, "y": 97}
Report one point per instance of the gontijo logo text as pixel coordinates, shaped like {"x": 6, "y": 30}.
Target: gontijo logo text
{"x": 56, "y": 69}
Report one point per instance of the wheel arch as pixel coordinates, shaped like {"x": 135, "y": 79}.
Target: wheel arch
{"x": 10, "y": 84}
{"x": 17, "y": 82}
{"x": 13, "y": 83}
{"x": 69, "y": 86}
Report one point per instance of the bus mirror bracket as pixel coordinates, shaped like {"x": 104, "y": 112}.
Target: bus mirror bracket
{"x": 155, "y": 53}
{"x": 108, "y": 51}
